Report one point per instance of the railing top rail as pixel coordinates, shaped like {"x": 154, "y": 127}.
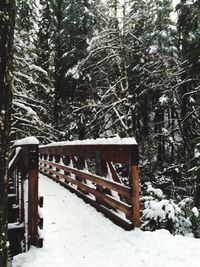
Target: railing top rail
{"x": 116, "y": 150}
{"x": 93, "y": 142}
{"x": 85, "y": 168}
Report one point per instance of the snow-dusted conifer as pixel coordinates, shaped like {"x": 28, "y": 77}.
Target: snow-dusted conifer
{"x": 29, "y": 112}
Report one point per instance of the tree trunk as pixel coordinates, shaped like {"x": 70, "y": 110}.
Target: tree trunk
{"x": 7, "y": 21}
{"x": 58, "y": 74}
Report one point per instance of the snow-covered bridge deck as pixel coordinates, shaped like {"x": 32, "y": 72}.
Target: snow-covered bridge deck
{"x": 76, "y": 235}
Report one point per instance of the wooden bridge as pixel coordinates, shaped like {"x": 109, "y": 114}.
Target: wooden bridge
{"x": 103, "y": 174}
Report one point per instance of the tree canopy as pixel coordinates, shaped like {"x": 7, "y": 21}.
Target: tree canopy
{"x": 100, "y": 68}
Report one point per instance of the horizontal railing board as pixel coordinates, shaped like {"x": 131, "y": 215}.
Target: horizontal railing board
{"x": 114, "y": 203}
{"x": 108, "y": 213}
{"x": 119, "y": 188}
{"x": 125, "y": 154}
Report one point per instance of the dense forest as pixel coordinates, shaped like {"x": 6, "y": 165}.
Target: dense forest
{"x": 101, "y": 68}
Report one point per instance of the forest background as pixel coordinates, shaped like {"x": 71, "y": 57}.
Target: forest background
{"x": 101, "y": 68}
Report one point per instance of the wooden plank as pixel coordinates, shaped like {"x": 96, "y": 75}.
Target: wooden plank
{"x": 113, "y": 153}
{"x": 100, "y": 170}
{"x": 121, "y": 189}
{"x": 135, "y": 198}
{"x": 108, "y": 213}
{"x": 33, "y": 195}
{"x": 116, "y": 178}
{"x": 79, "y": 163}
{"x": 105, "y": 199}
{"x": 114, "y": 174}
{"x": 66, "y": 161}
{"x": 33, "y": 207}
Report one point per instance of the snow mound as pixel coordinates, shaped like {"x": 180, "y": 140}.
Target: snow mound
{"x": 31, "y": 140}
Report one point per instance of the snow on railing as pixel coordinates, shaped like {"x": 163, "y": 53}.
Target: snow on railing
{"x": 31, "y": 140}
{"x": 23, "y": 197}
{"x": 93, "y": 169}
{"x": 99, "y": 141}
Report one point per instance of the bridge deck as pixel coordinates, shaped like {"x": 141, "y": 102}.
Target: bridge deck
{"x": 76, "y": 235}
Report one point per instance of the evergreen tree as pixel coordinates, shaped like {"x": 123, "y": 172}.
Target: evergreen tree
{"x": 26, "y": 16}
{"x": 74, "y": 27}
{"x": 189, "y": 48}
{"x": 30, "y": 90}
{"x": 46, "y": 51}
{"x": 189, "y": 28}
{"x": 153, "y": 57}
{"x": 45, "y": 36}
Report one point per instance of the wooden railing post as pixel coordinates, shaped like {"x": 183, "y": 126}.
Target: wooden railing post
{"x": 135, "y": 198}
{"x": 135, "y": 187}
{"x": 33, "y": 195}
{"x": 23, "y": 215}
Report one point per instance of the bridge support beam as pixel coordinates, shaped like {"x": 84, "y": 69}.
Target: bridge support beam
{"x": 135, "y": 195}
{"x": 33, "y": 195}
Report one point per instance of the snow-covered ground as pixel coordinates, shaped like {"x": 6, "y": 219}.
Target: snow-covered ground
{"x": 76, "y": 235}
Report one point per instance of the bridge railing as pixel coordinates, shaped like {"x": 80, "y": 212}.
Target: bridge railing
{"x": 23, "y": 199}
{"x": 95, "y": 172}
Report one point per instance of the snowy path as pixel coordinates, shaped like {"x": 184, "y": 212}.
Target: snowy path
{"x": 75, "y": 235}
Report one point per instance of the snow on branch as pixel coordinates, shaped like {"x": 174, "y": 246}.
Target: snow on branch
{"x": 39, "y": 69}
{"x": 120, "y": 118}
{"x": 29, "y": 110}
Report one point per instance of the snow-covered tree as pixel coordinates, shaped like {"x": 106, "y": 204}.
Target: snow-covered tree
{"x": 188, "y": 29}
{"x": 189, "y": 90}
{"x": 30, "y": 92}
{"x": 105, "y": 65}
{"x": 74, "y": 22}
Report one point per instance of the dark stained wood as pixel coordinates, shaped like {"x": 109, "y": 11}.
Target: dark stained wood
{"x": 113, "y": 153}
{"x": 122, "y": 189}
{"x": 79, "y": 163}
{"x": 32, "y": 195}
{"x": 33, "y": 207}
{"x": 105, "y": 199}
{"x": 26, "y": 166}
{"x": 57, "y": 160}
{"x": 102, "y": 155}
{"x": 135, "y": 196}
{"x": 100, "y": 170}
{"x": 116, "y": 178}
{"x": 74, "y": 161}
{"x": 114, "y": 174}
{"x": 108, "y": 213}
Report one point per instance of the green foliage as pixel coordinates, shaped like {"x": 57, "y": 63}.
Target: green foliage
{"x": 192, "y": 214}
{"x": 195, "y": 221}
{"x": 178, "y": 217}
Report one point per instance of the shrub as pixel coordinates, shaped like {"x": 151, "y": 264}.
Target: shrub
{"x": 161, "y": 213}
